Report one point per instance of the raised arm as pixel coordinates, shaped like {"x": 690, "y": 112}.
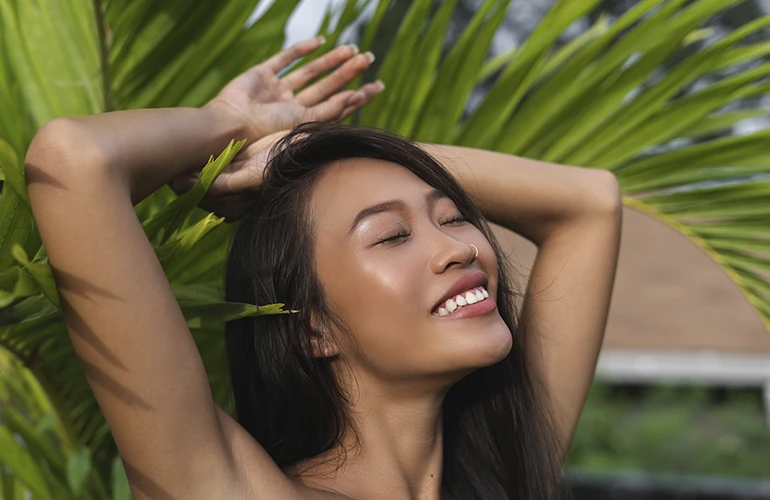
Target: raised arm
{"x": 573, "y": 215}
{"x": 83, "y": 176}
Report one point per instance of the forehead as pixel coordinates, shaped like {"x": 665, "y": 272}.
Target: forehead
{"x": 351, "y": 185}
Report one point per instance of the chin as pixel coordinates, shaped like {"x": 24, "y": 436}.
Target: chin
{"x": 500, "y": 349}
{"x": 492, "y": 348}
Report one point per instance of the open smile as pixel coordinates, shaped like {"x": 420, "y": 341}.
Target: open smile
{"x": 473, "y": 302}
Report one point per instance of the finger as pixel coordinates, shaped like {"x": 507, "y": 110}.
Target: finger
{"x": 245, "y": 179}
{"x": 361, "y": 98}
{"x": 331, "y": 109}
{"x": 330, "y": 84}
{"x": 307, "y": 73}
{"x": 288, "y": 56}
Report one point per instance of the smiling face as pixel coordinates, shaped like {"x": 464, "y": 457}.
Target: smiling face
{"x": 389, "y": 251}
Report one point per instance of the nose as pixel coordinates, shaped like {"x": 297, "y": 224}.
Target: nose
{"x": 448, "y": 252}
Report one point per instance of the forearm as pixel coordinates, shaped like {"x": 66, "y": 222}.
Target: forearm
{"x": 530, "y": 197}
{"x": 574, "y": 216}
{"x": 143, "y": 149}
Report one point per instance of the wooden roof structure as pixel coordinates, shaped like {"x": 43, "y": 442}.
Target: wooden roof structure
{"x": 668, "y": 296}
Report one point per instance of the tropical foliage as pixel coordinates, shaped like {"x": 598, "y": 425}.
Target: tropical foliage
{"x": 672, "y": 430}
{"x": 601, "y": 100}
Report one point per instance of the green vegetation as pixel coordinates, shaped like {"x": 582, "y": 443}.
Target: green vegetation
{"x": 673, "y": 430}
{"x": 602, "y": 100}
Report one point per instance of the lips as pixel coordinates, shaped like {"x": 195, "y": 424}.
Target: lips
{"x": 461, "y": 286}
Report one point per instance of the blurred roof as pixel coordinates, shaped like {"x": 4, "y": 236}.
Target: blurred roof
{"x": 668, "y": 294}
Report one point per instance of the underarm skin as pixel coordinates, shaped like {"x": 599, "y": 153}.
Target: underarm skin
{"x": 573, "y": 215}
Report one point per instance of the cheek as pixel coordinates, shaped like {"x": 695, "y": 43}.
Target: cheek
{"x": 379, "y": 301}
{"x": 488, "y": 260}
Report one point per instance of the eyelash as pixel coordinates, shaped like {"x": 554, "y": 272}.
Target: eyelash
{"x": 459, "y": 218}
{"x": 405, "y": 234}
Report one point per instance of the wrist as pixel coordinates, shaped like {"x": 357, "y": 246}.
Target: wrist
{"x": 227, "y": 122}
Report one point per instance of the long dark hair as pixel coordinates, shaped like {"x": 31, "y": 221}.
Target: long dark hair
{"x": 498, "y": 438}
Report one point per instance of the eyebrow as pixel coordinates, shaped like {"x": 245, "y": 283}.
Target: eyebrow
{"x": 391, "y": 206}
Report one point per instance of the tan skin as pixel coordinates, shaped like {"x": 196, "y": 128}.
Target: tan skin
{"x": 84, "y": 174}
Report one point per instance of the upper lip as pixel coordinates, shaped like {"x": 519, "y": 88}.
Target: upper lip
{"x": 465, "y": 283}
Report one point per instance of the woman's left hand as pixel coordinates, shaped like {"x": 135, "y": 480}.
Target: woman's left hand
{"x": 265, "y": 103}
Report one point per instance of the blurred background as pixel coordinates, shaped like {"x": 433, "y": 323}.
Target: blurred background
{"x": 681, "y": 403}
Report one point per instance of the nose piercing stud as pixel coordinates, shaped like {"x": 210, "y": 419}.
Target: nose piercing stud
{"x": 475, "y": 253}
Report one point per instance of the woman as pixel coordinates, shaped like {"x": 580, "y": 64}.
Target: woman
{"x": 406, "y": 373}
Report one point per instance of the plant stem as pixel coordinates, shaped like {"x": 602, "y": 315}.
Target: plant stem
{"x": 104, "y": 56}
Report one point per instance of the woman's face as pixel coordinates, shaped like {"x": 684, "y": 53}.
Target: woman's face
{"x": 390, "y": 250}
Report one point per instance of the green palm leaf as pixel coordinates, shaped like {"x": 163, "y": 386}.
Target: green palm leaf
{"x": 576, "y": 109}
{"x": 40, "y": 450}
{"x": 603, "y": 100}
{"x": 455, "y": 79}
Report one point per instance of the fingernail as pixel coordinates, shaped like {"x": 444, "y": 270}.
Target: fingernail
{"x": 380, "y": 85}
{"x": 321, "y": 40}
{"x": 355, "y": 48}
{"x": 369, "y": 57}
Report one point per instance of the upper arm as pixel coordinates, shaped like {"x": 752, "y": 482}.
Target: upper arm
{"x": 128, "y": 330}
{"x": 567, "y": 301}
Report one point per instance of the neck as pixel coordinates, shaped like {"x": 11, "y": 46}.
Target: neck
{"x": 395, "y": 451}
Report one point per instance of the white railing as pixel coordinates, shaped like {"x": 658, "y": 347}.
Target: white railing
{"x": 695, "y": 368}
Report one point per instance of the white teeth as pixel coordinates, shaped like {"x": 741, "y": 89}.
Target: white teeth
{"x": 469, "y": 297}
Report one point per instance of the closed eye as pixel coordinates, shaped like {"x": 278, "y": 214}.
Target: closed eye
{"x": 397, "y": 236}
{"x": 402, "y": 235}
{"x": 455, "y": 220}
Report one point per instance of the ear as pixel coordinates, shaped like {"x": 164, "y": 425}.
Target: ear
{"x": 322, "y": 341}
{"x": 323, "y": 346}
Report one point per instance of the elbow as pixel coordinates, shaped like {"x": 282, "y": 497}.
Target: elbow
{"x": 62, "y": 144}
{"x": 606, "y": 194}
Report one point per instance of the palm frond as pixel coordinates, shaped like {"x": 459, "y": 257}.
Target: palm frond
{"x": 52, "y": 63}
{"x": 37, "y": 448}
{"x": 607, "y": 99}
{"x": 182, "y": 53}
